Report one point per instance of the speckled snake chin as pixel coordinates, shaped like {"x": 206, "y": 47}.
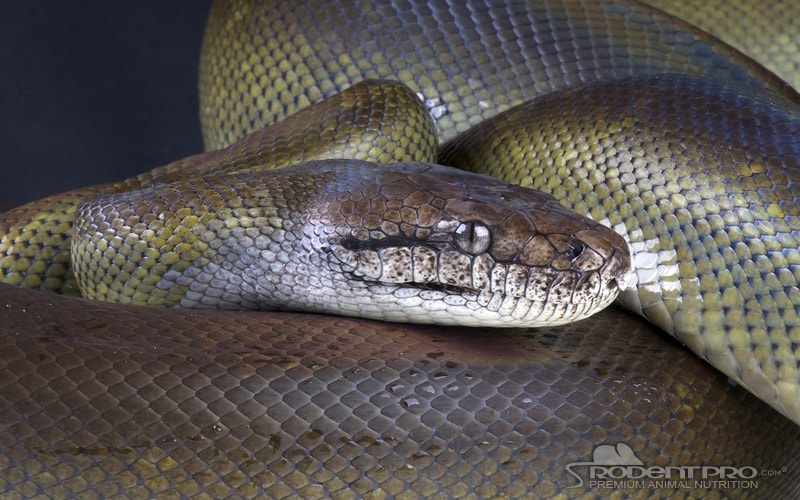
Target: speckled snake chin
{"x": 654, "y": 128}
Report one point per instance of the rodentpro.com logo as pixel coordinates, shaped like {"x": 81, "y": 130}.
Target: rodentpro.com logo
{"x": 618, "y": 467}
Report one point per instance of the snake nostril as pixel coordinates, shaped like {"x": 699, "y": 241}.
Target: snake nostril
{"x": 574, "y": 250}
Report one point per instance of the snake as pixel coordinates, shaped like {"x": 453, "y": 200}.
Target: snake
{"x": 633, "y": 117}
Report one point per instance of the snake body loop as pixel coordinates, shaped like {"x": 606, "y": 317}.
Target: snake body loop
{"x": 468, "y": 61}
{"x": 657, "y": 158}
{"x": 679, "y": 141}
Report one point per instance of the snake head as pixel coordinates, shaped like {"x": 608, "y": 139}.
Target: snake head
{"x": 448, "y": 246}
{"x": 405, "y": 242}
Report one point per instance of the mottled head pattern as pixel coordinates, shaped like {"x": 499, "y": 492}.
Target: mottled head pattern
{"x": 401, "y": 242}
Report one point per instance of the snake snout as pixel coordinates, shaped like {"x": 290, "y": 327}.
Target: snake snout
{"x": 547, "y": 263}
{"x": 612, "y": 250}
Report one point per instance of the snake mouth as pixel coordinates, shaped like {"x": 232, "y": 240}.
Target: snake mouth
{"x": 477, "y": 277}
{"x": 623, "y": 281}
{"x": 443, "y": 288}
{"x": 448, "y": 289}
{"x": 619, "y": 285}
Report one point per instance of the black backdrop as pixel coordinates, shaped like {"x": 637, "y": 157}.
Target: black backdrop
{"x": 93, "y": 91}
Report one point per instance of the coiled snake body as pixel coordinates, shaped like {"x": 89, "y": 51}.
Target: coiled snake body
{"x": 699, "y": 172}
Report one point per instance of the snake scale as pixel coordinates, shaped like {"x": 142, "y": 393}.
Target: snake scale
{"x": 109, "y": 400}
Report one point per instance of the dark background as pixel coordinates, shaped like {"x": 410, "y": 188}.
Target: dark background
{"x": 94, "y": 91}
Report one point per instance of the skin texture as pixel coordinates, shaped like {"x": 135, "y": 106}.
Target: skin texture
{"x": 751, "y": 27}
{"x": 120, "y": 400}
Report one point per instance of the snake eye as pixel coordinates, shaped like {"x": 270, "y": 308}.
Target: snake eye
{"x": 473, "y": 238}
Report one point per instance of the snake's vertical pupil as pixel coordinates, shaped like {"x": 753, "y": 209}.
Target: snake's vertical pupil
{"x": 472, "y": 238}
